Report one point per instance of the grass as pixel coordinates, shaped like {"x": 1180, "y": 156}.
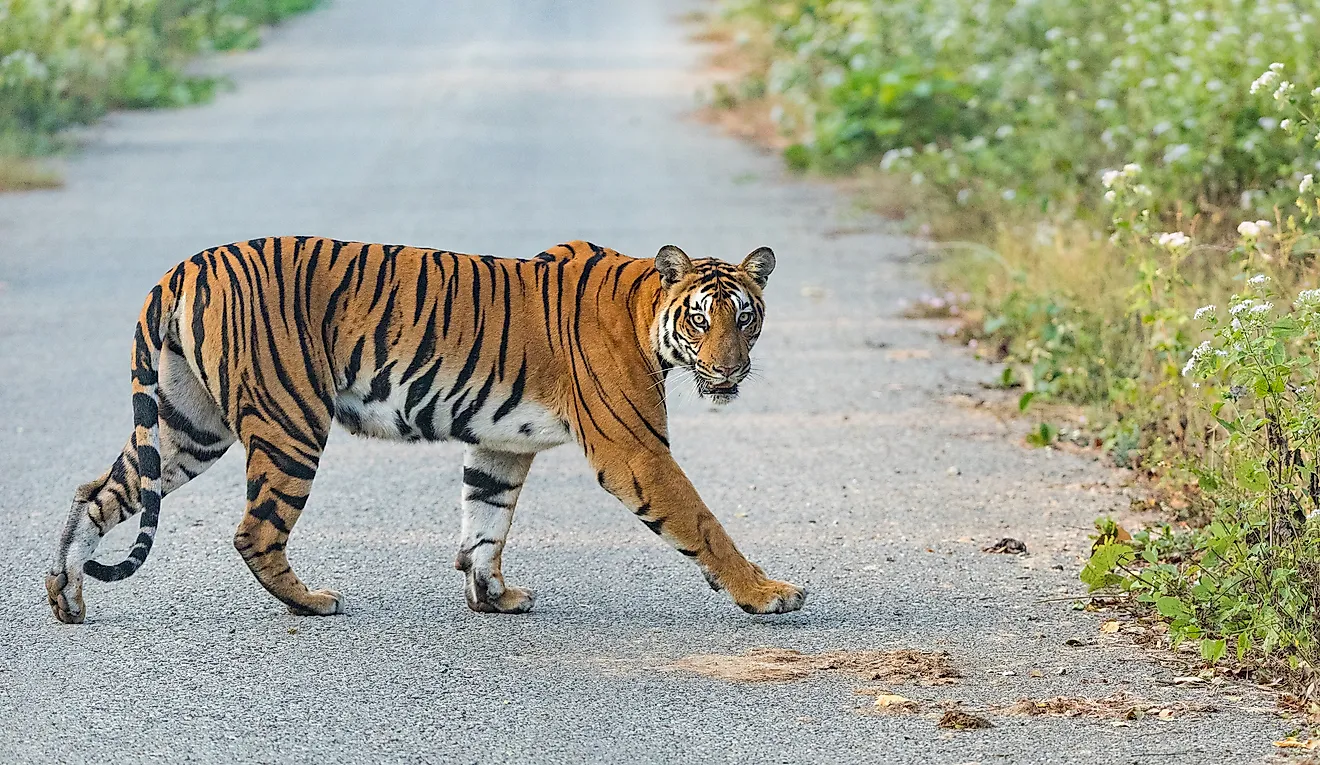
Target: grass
{"x": 26, "y": 174}
{"x": 64, "y": 64}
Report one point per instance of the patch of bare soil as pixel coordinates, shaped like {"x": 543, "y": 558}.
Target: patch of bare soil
{"x": 760, "y": 665}
{"x": 950, "y": 713}
{"x": 957, "y": 719}
{"x": 1119, "y": 706}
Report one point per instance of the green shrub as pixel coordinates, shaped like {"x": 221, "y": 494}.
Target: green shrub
{"x": 1249, "y": 580}
{"x": 1134, "y": 160}
{"x": 64, "y": 62}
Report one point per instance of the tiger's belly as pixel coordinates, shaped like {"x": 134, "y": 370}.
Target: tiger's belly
{"x": 524, "y": 428}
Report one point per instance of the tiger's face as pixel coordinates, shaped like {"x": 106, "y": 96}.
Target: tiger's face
{"x": 711, "y": 317}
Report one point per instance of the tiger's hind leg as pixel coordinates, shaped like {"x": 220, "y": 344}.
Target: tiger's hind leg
{"x": 491, "y": 483}
{"x": 193, "y": 437}
{"x": 280, "y": 469}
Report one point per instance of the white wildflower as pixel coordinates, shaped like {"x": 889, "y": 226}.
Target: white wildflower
{"x": 1110, "y": 178}
{"x": 1276, "y": 67}
{"x": 1265, "y": 81}
{"x": 1285, "y": 124}
{"x": 1308, "y": 181}
{"x": 1240, "y": 307}
{"x": 1248, "y": 229}
{"x": 1284, "y": 90}
{"x": 1176, "y": 152}
{"x": 1258, "y": 279}
{"x": 1198, "y": 353}
{"x": 1308, "y": 299}
{"x": 22, "y": 66}
{"x": 1203, "y": 311}
{"x": 1009, "y": 194}
{"x": 1174, "y": 241}
{"x": 1260, "y": 308}
{"x": 1131, "y": 169}
{"x": 1110, "y": 196}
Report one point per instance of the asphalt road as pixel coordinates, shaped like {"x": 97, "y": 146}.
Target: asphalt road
{"x": 504, "y": 128}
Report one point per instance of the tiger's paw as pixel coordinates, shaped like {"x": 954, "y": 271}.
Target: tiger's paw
{"x": 772, "y": 597}
{"x": 66, "y": 600}
{"x": 509, "y": 600}
{"x": 319, "y": 603}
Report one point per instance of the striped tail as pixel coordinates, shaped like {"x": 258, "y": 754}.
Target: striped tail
{"x": 157, "y": 312}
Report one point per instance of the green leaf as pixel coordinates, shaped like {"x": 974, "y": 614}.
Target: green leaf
{"x": 1243, "y": 645}
{"x": 1025, "y": 400}
{"x": 1213, "y": 650}
{"x": 1170, "y": 607}
{"x": 1098, "y": 572}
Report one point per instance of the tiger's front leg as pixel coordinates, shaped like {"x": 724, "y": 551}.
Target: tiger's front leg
{"x": 492, "y": 481}
{"x": 659, "y": 493}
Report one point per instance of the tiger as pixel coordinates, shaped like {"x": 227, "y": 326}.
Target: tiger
{"x": 269, "y": 341}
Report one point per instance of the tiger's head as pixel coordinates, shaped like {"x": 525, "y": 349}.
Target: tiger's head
{"x": 710, "y": 317}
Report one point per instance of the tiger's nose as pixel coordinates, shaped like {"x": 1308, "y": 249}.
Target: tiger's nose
{"x": 725, "y": 371}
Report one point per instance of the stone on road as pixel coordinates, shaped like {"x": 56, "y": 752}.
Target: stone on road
{"x": 504, "y": 128}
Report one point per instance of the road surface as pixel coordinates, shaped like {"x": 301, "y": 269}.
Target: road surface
{"x": 504, "y": 128}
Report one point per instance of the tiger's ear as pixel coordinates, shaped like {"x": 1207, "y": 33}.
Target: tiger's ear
{"x": 673, "y": 264}
{"x": 759, "y": 264}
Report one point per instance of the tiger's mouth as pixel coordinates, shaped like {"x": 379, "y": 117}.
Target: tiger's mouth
{"x": 720, "y": 393}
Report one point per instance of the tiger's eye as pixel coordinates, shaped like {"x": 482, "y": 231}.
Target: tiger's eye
{"x": 699, "y": 320}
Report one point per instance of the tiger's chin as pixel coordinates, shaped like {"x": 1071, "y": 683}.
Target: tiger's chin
{"x": 718, "y": 394}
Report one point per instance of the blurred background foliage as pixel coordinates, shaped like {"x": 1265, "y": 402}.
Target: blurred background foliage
{"x": 1029, "y": 102}
{"x": 66, "y": 62}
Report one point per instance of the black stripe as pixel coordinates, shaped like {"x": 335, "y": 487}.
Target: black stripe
{"x": 282, "y": 462}
{"x": 178, "y": 422}
{"x": 425, "y": 349}
{"x": 484, "y": 485}
{"x": 145, "y": 412}
{"x": 419, "y": 300}
{"x": 268, "y": 512}
{"x": 515, "y": 394}
{"x": 380, "y": 385}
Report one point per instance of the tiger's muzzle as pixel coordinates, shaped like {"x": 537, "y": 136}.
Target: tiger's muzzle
{"x": 719, "y": 383}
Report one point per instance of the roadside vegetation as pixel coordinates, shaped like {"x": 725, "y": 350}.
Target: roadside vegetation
{"x": 66, "y": 62}
{"x": 1127, "y": 195}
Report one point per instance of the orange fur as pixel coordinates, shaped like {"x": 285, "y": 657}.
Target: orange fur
{"x": 266, "y": 342}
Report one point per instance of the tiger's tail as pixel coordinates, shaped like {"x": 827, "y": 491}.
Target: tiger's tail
{"x": 157, "y": 313}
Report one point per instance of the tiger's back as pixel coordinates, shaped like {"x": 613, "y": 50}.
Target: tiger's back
{"x": 267, "y": 342}
{"x": 402, "y": 342}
